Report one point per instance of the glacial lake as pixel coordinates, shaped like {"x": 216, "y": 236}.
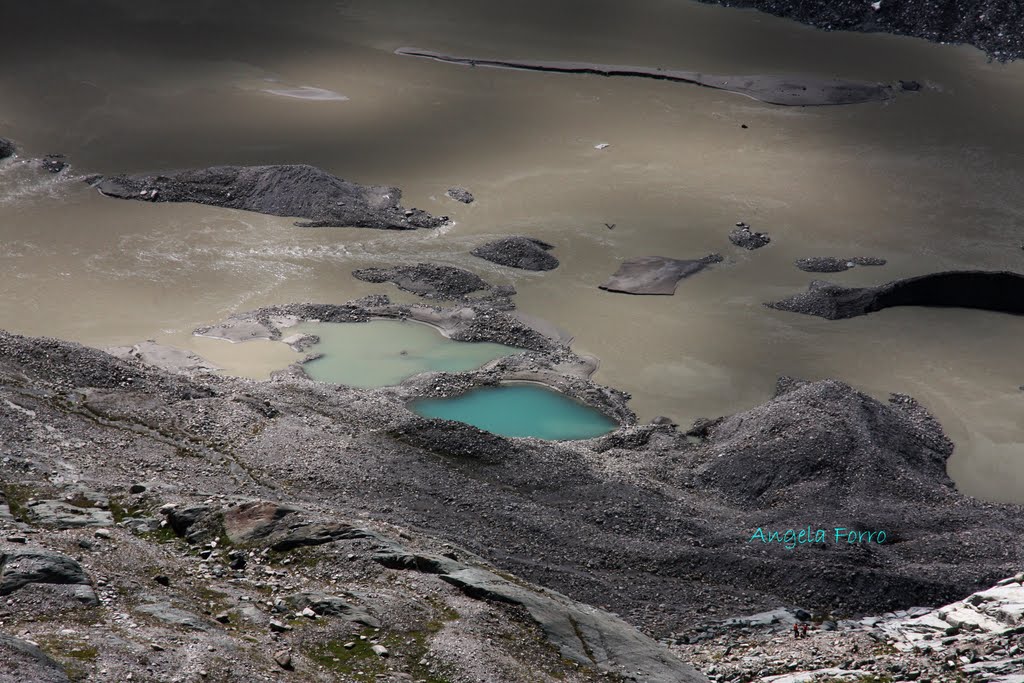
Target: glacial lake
{"x": 905, "y": 180}
{"x": 519, "y": 410}
{"x": 384, "y": 352}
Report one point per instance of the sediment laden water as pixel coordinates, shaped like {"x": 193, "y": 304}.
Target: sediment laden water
{"x": 929, "y": 181}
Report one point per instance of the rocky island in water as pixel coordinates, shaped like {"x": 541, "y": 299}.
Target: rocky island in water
{"x": 419, "y": 447}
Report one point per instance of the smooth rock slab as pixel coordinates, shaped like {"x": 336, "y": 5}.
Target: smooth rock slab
{"x": 60, "y": 515}
{"x": 297, "y": 190}
{"x": 329, "y": 605}
{"x": 19, "y": 568}
{"x": 654, "y": 274}
{"x": 165, "y": 612}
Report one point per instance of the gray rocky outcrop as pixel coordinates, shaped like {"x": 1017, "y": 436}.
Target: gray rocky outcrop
{"x": 19, "y": 568}
{"x": 258, "y": 523}
{"x": 655, "y": 274}
{"x": 295, "y": 190}
{"x": 525, "y": 253}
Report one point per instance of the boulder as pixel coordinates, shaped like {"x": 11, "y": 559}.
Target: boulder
{"x": 19, "y": 568}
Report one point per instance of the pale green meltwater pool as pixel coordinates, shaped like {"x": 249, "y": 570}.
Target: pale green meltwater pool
{"x": 385, "y": 352}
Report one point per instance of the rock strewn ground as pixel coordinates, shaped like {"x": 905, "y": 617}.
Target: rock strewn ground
{"x": 975, "y": 639}
{"x": 578, "y": 517}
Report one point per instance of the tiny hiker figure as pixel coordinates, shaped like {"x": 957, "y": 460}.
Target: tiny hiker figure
{"x": 805, "y": 631}
{"x": 796, "y": 631}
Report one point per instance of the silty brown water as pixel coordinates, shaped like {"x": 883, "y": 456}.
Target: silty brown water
{"x": 930, "y": 181}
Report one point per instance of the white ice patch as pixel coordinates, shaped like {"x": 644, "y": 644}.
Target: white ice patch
{"x": 306, "y": 92}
